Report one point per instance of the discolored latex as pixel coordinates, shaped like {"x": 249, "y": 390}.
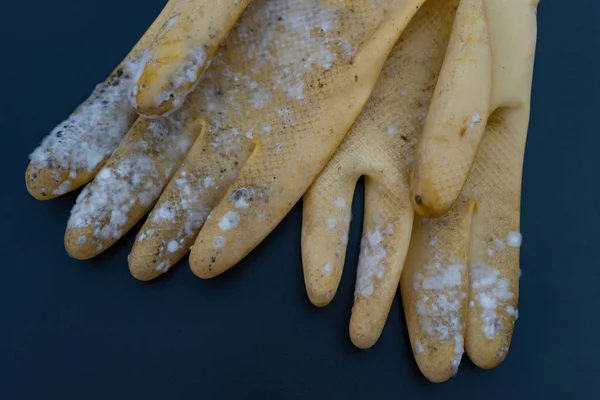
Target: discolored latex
{"x": 380, "y": 146}
{"x": 460, "y": 284}
{"x": 74, "y": 151}
{"x": 182, "y": 50}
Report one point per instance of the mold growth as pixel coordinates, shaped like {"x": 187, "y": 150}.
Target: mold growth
{"x": 371, "y": 267}
{"x": 133, "y": 180}
{"x": 489, "y": 291}
{"x": 230, "y": 220}
{"x": 440, "y": 296}
{"x": 184, "y": 80}
{"x": 311, "y": 38}
{"x": 95, "y": 129}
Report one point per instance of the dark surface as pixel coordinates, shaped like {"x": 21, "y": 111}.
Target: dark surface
{"x": 89, "y": 330}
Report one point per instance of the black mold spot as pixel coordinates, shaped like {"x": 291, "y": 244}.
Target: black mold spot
{"x": 242, "y": 194}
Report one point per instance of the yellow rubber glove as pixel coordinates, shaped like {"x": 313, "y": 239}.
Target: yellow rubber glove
{"x": 167, "y": 60}
{"x": 470, "y": 255}
{"x": 268, "y": 114}
{"x": 279, "y": 98}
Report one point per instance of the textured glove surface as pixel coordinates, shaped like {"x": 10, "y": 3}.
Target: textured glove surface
{"x": 460, "y": 279}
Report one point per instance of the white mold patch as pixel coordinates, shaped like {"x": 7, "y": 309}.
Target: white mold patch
{"x": 459, "y": 349}
{"x": 340, "y": 203}
{"x": 163, "y": 267}
{"x": 93, "y": 132}
{"x": 170, "y": 22}
{"x": 371, "y": 262}
{"x": 133, "y": 181}
{"x": 440, "y": 294}
{"x": 434, "y": 241}
{"x": 190, "y": 191}
{"x": 331, "y": 223}
{"x": 208, "y": 182}
{"x": 230, "y": 220}
{"x": 490, "y": 291}
{"x": 166, "y": 212}
{"x": 419, "y": 347}
{"x": 62, "y": 189}
{"x": 105, "y": 204}
{"x": 172, "y": 246}
{"x": 394, "y": 129}
{"x": 219, "y": 242}
{"x": 312, "y": 40}
{"x": 499, "y": 244}
{"x": 514, "y": 239}
{"x": 475, "y": 119}
{"x": 185, "y": 79}
{"x": 510, "y": 310}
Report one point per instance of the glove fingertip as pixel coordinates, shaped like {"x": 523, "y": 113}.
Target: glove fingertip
{"x": 200, "y": 264}
{"x": 79, "y": 243}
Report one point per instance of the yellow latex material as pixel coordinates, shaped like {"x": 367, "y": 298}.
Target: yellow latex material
{"x": 164, "y": 64}
{"x": 474, "y": 84}
{"x": 188, "y": 40}
{"x": 69, "y": 158}
{"x": 379, "y": 147}
{"x": 278, "y": 99}
{"x": 460, "y": 280}
{"x": 268, "y": 114}
{"x": 493, "y": 184}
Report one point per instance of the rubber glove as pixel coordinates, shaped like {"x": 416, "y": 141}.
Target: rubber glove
{"x": 268, "y": 114}
{"x": 278, "y": 99}
{"x": 164, "y": 64}
{"x": 459, "y": 273}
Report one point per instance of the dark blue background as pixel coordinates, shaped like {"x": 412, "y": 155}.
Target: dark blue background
{"x": 89, "y": 330}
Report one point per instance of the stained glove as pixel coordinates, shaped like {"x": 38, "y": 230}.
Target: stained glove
{"x": 268, "y": 114}
{"x": 159, "y": 71}
{"x": 277, "y": 101}
{"x": 460, "y": 280}
{"x": 181, "y": 52}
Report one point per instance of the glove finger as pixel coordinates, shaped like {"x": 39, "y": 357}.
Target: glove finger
{"x": 187, "y": 41}
{"x": 327, "y": 208}
{"x": 495, "y": 238}
{"x": 75, "y": 150}
{"x": 457, "y": 116}
{"x": 381, "y": 146}
{"x": 325, "y": 100}
{"x": 495, "y": 181}
{"x": 513, "y": 34}
{"x": 129, "y": 184}
{"x": 243, "y": 226}
{"x": 434, "y": 289}
{"x": 198, "y": 185}
{"x": 387, "y": 228}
